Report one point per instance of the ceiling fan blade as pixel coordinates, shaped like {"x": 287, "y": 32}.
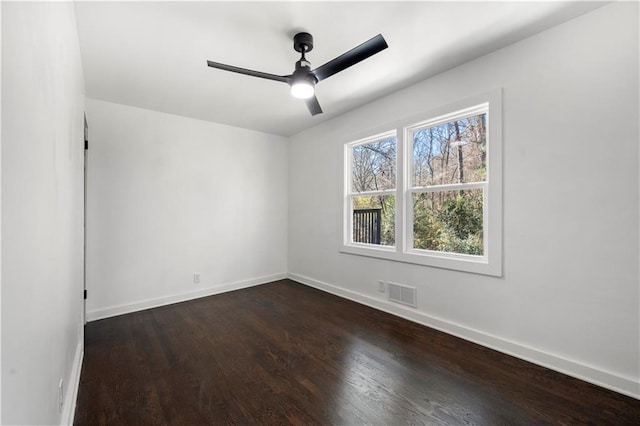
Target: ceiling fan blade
{"x": 283, "y": 78}
{"x": 313, "y": 105}
{"x": 352, "y": 57}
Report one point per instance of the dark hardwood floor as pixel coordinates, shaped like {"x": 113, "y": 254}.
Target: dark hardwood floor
{"x": 284, "y": 353}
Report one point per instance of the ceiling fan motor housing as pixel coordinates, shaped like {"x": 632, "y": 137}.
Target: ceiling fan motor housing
{"x": 303, "y": 71}
{"x": 303, "y": 65}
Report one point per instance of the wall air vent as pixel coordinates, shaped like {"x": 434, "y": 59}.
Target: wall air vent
{"x": 403, "y": 294}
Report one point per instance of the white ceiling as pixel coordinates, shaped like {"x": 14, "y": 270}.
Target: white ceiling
{"x": 153, "y": 54}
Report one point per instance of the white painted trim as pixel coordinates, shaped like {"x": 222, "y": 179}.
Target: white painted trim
{"x": 113, "y": 311}
{"x": 625, "y": 385}
{"x": 1, "y": 226}
{"x": 70, "y": 399}
{"x": 453, "y": 261}
{"x": 382, "y": 192}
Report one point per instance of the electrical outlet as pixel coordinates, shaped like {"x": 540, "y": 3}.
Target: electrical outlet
{"x": 196, "y": 278}
{"x": 60, "y": 395}
{"x": 381, "y": 286}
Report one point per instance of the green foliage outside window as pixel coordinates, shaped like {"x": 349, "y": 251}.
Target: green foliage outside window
{"x": 449, "y": 222}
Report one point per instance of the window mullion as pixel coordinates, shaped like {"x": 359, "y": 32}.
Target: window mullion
{"x": 400, "y": 185}
{"x": 407, "y": 230}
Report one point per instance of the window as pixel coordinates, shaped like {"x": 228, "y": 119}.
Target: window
{"x": 448, "y": 179}
{"x": 429, "y": 191}
{"x": 372, "y": 189}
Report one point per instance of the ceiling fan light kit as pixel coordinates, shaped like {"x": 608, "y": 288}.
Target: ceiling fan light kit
{"x": 303, "y": 79}
{"x": 302, "y": 89}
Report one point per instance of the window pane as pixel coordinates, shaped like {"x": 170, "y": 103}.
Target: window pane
{"x": 453, "y": 152}
{"x": 373, "y": 166}
{"x": 374, "y": 220}
{"x": 448, "y": 221}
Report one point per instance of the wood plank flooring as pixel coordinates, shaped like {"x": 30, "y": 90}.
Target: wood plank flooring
{"x": 284, "y": 353}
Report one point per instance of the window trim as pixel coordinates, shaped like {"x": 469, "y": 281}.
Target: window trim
{"x": 349, "y": 194}
{"x": 490, "y": 263}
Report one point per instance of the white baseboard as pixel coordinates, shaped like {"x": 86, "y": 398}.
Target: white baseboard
{"x": 70, "y": 399}
{"x": 113, "y": 311}
{"x": 624, "y": 385}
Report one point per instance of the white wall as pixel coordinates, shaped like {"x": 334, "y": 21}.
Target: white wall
{"x": 569, "y": 295}
{"x": 42, "y": 197}
{"x": 170, "y": 196}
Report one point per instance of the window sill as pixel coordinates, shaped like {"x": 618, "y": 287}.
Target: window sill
{"x": 471, "y": 264}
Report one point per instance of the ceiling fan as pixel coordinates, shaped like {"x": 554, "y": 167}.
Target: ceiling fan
{"x": 304, "y": 79}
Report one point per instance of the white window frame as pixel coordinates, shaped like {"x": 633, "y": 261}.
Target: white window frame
{"x": 490, "y": 262}
{"x": 350, "y": 193}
